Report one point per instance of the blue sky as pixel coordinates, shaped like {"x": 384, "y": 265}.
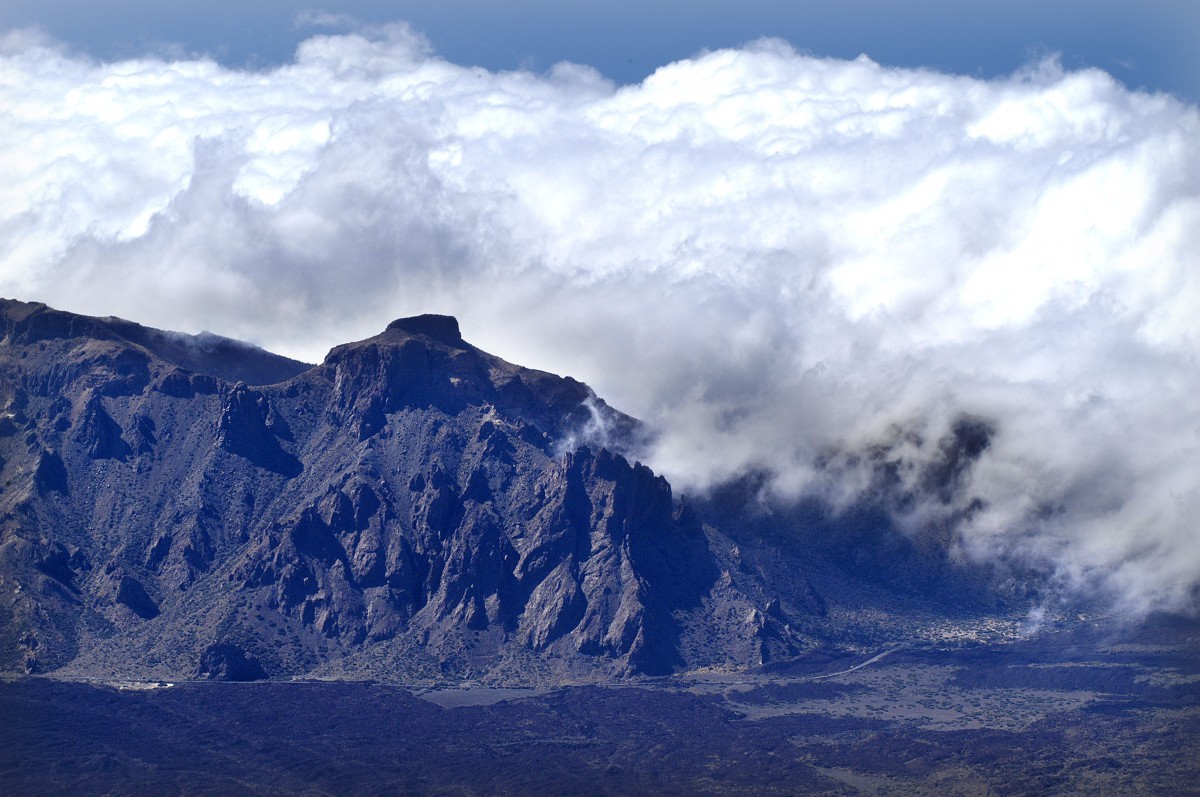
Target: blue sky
{"x": 1148, "y": 44}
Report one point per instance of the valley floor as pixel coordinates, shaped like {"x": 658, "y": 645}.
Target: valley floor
{"x": 1056, "y": 715}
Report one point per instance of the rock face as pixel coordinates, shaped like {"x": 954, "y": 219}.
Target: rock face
{"x": 225, "y": 662}
{"x": 412, "y": 509}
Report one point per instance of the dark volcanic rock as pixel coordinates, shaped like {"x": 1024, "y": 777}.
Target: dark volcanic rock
{"x": 957, "y": 452}
{"x": 442, "y": 328}
{"x": 131, "y": 593}
{"x": 246, "y": 429}
{"x": 411, "y": 509}
{"x": 226, "y": 662}
{"x": 50, "y": 474}
{"x": 206, "y": 353}
{"x": 24, "y": 323}
{"x": 61, "y": 564}
{"x": 99, "y": 434}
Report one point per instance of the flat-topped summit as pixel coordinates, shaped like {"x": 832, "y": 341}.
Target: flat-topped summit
{"x": 422, "y": 361}
{"x": 442, "y": 328}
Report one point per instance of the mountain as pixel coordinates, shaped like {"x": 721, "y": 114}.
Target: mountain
{"x": 414, "y": 512}
{"x": 411, "y": 509}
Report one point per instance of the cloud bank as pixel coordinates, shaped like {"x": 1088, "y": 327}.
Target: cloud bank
{"x": 766, "y": 256}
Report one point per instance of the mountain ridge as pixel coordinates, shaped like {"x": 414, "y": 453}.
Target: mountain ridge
{"x": 207, "y": 353}
{"x": 412, "y": 508}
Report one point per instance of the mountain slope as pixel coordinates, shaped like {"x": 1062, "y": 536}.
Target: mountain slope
{"x": 412, "y": 508}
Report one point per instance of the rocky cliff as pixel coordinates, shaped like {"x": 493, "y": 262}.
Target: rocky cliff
{"x": 410, "y": 509}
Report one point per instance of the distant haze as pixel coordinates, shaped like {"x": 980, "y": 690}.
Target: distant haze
{"x": 765, "y": 255}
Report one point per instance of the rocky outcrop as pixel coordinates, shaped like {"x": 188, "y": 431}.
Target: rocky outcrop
{"x": 249, "y": 427}
{"x": 99, "y": 435}
{"x": 413, "y": 508}
{"x": 442, "y": 328}
{"x": 131, "y": 594}
{"x": 50, "y": 474}
{"x": 583, "y": 555}
{"x": 226, "y": 662}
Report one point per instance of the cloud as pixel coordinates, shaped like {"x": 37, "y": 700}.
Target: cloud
{"x": 313, "y": 19}
{"x": 766, "y": 256}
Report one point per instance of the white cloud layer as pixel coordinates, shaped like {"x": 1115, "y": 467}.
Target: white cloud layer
{"x": 762, "y": 254}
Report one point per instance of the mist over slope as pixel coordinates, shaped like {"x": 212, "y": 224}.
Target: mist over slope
{"x": 808, "y": 269}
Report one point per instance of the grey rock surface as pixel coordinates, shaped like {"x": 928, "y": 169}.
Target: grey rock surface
{"x": 411, "y": 509}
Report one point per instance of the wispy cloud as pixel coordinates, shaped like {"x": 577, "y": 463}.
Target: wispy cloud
{"x": 767, "y": 256}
